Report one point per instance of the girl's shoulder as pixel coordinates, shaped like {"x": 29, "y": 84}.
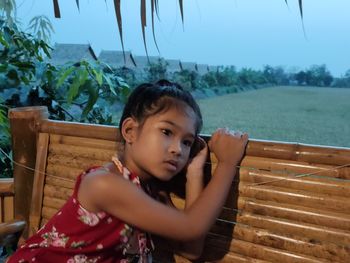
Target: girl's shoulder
{"x": 92, "y": 183}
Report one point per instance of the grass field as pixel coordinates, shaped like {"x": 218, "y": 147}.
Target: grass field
{"x": 292, "y": 114}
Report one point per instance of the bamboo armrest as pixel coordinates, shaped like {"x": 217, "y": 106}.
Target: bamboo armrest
{"x": 10, "y": 232}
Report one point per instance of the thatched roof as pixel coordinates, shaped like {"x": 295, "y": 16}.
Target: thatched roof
{"x": 202, "y": 69}
{"x": 213, "y": 68}
{"x": 143, "y": 62}
{"x": 173, "y": 65}
{"x": 191, "y": 66}
{"x": 116, "y": 59}
{"x": 64, "y": 53}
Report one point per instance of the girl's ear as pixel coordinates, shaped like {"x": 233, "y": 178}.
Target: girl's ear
{"x": 129, "y": 130}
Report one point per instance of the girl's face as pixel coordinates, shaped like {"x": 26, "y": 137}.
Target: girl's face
{"x": 161, "y": 146}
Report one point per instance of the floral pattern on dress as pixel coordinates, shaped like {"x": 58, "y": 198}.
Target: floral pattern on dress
{"x": 89, "y": 218}
{"x": 54, "y": 239}
{"x": 77, "y": 244}
{"x": 81, "y": 258}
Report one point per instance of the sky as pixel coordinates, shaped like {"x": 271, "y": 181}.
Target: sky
{"x": 243, "y": 33}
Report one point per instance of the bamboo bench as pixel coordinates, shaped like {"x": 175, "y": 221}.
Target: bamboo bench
{"x": 289, "y": 203}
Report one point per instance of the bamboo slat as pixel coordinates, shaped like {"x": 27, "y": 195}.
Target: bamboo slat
{"x": 294, "y": 212}
{"x": 78, "y": 163}
{"x": 288, "y": 227}
{"x": 94, "y": 131}
{"x": 295, "y": 197}
{"x": 57, "y": 192}
{"x": 295, "y": 167}
{"x": 292, "y": 243}
{"x": 263, "y": 252}
{"x": 282, "y": 210}
{"x": 316, "y": 184}
{"x": 83, "y": 142}
{"x": 56, "y": 181}
{"x": 300, "y": 152}
{"x": 72, "y": 151}
{"x": 63, "y": 172}
{"x": 48, "y": 212}
{"x": 9, "y": 208}
{"x": 54, "y": 203}
{"x": 7, "y": 186}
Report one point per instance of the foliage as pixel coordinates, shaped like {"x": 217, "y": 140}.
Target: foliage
{"x": 41, "y": 27}
{"x": 8, "y": 11}
{"x": 316, "y": 75}
{"x": 188, "y": 79}
{"x": 82, "y": 91}
{"x": 157, "y": 70}
{"x": 344, "y": 81}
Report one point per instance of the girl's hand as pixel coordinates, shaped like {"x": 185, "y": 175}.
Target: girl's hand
{"x": 228, "y": 146}
{"x": 197, "y": 162}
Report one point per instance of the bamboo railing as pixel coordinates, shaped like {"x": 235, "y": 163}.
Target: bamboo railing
{"x": 6, "y": 200}
{"x": 289, "y": 203}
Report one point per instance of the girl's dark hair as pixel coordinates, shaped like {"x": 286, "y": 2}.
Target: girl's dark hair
{"x": 149, "y": 99}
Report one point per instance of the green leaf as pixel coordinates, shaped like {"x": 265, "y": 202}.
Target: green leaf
{"x": 109, "y": 82}
{"x": 98, "y": 75}
{"x": 64, "y": 75}
{"x": 93, "y": 96}
{"x": 73, "y": 89}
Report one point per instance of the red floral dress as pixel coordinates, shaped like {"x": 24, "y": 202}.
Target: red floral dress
{"x": 75, "y": 235}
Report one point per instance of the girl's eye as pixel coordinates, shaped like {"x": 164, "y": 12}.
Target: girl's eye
{"x": 188, "y": 143}
{"x": 166, "y": 132}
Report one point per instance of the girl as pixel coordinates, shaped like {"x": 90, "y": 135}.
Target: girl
{"x": 115, "y": 207}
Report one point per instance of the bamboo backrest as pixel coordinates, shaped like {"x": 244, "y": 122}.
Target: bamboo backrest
{"x": 276, "y": 211}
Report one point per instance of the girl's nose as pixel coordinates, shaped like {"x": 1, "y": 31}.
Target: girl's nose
{"x": 176, "y": 148}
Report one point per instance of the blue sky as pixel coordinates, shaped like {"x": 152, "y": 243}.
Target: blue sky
{"x": 244, "y": 33}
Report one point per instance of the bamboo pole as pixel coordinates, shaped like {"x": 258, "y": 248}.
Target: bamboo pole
{"x": 94, "y": 131}
{"x": 83, "y": 152}
{"x": 57, "y": 192}
{"x": 48, "y": 212}
{"x": 83, "y": 142}
{"x": 54, "y": 203}
{"x": 38, "y": 184}
{"x": 299, "y": 152}
{"x": 56, "y": 181}
{"x": 293, "y": 212}
{"x": 315, "y": 184}
{"x": 261, "y": 252}
{"x": 78, "y": 162}
{"x": 63, "y": 172}
{"x": 295, "y": 167}
{"x": 292, "y": 243}
{"x": 292, "y": 228}
{"x": 295, "y": 197}
{"x": 23, "y": 125}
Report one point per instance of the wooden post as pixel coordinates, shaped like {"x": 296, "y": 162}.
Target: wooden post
{"x": 23, "y": 124}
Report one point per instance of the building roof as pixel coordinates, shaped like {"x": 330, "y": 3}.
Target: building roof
{"x": 202, "y": 69}
{"x": 116, "y": 58}
{"x": 143, "y": 62}
{"x": 191, "y": 66}
{"x": 213, "y": 68}
{"x": 173, "y": 65}
{"x": 64, "y": 53}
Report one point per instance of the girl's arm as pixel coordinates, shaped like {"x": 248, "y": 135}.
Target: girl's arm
{"x": 124, "y": 200}
{"x": 194, "y": 187}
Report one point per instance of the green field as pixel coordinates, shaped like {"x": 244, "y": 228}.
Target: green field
{"x": 292, "y": 114}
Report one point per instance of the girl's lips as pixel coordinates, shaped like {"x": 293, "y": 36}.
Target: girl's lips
{"x": 172, "y": 164}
